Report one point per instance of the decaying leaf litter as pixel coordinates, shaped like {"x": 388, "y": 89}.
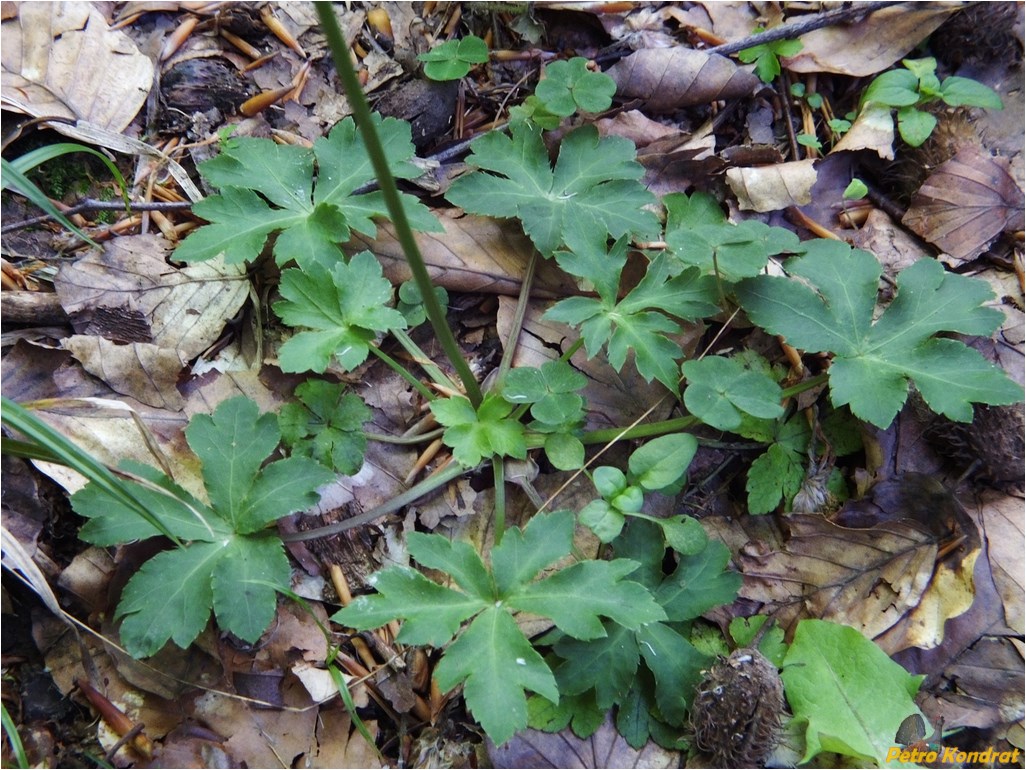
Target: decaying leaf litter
{"x": 928, "y": 567}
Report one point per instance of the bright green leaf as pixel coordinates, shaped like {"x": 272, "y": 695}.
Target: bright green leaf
{"x": 849, "y": 696}
{"x": 453, "y": 59}
{"x": 603, "y": 519}
{"x": 699, "y": 583}
{"x": 569, "y": 86}
{"x": 775, "y": 475}
{"x": 856, "y": 189}
{"x": 327, "y": 425}
{"x": 721, "y": 389}
{"x": 243, "y": 583}
{"x": 522, "y": 554}
{"x": 564, "y": 451}
{"x": 896, "y": 88}
{"x": 959, "y": 92}
{"x": 873, "y": 362}
{"x": 915, "y": 126}
{"x": 684, "y": 534}
{"x": 676, "y": 665}
{"x": 474, "y": 435}
{"x": 663, "y": 461}
{"x": 344, "y": 307}
{"x": 456, "y": 558}
{"x": 593, "y": 178}
{"x": 496, "y": 663}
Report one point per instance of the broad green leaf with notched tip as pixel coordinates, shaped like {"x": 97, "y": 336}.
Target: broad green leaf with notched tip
{"x": 496, "y": 663}
{"x": 229, "y": 564}
{"x": 327, "y": 425}
{"x": 569, "y": 86}
{"x": 873, "y": 362}
{"x": 346, "y": 307}
{"x": 551, "y": 390}
{"x": 721, "y": 389}
{"x": 849, "y": 696}
{"x": 313, "y": 220}
{"x": 593, "y": 178}
{"x": 476, "y": 434}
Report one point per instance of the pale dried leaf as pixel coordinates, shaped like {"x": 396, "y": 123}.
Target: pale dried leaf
{"x": 870, "y": 45}
{"x": 772, "y": 188}
{"x": 62, "y": 59}
{"x": 185, "y": 309}
{"x": 474, "y": 254}
{"x": 146, "y": 372}
{"x": 1003, "y": 528}
{"x": 965, "y": 203}
{"x": 666, "y": 79}
{"x": 872, "y": 130}
{"x": 605, "y": 748}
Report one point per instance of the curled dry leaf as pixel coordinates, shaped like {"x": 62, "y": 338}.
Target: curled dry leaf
{"x": 772, "y": 188}
{"x": 870, "y": 45}
{"x": 872, "y": 130}
{"x": 667, "y": 79}
{"x": 474, "y": 254}
{"x": 966, "y": 203}
{"x": 61, "y": 59}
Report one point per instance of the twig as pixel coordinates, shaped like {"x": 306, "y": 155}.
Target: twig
{"x": 788, "y": 31}
{"x": 89, "y": 204}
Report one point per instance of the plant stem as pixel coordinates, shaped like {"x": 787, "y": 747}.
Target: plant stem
{"x": 518, "y": 316}
{"x": 499, "y": 473}
{"x": 420, "y": 438}
{"x": 362, "y": 115}
{"x": 401, "y": 370}
{"x": 430, "y": 368}
{"x": 414, "y": 493}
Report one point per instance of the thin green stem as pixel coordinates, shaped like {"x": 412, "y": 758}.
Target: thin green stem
{"x": 414, "y": 493}
{"x": 569, "y": 352}
{"x": 499, "y": 473}
{"x": 805, "y": 385}
{"x": 429, "y": 366}
{"x": 402, "y": 371}
{"x": 420, "y": 438}
{"x": 389, "y": 191}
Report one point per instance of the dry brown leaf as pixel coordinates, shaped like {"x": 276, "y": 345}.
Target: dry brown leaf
{"x": 474, "y": 254}
{"x": 872, "y": 44}
{"x": 877, "y": 571}
{"x": 773, "y": 188}
{"x": 667, "y": 79}
{"x": 965, "y": 203}
{"x": 1003, "y": 528}
{"x": 146, "y": 372}
{"x": 62, "y": 59}
{"x": 183, "y": 309}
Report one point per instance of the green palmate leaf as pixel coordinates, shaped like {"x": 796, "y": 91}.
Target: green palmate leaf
{"x": 243, "y": 583}
{"x": 721, "y": 389}
{"x": 453, "y": 59}
{"x": 491, "y": 657}
{"x": 476, "y": 434}
{"x": 676, "y": 665}
{"x": 606, "y": 665}
{"x": 345, "y": 307}
{"x": 112, "y": 521}
{"x": 327, "y": 425}
{"x": 776, "y": 474}
{"x": 569, "y": 86}
{"x": 873, "y": 362}
{"x": 267, "y": 187}
{"x": 551, "y": 390}
{"x": 594, "y": 180}
{"x": 576, "y": 597}
{"x": 636, "y": 323}
{"x": 728, "y": 250}
{"x": 765, "y": 56}
{"x": 230, "y": 565}
{"x": 496, "y": 663}
{"x": 849, "y": 696}
{"x": 432, "y": 613}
